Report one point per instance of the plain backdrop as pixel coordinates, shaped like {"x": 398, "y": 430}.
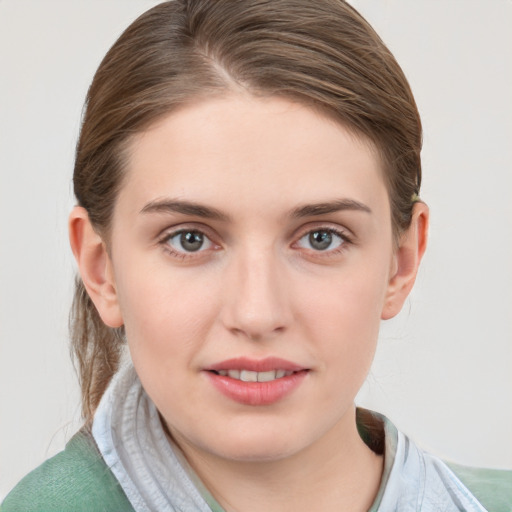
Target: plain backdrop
{"x": 443, "y": 368}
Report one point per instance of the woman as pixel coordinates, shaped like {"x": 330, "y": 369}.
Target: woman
{"x": 248, "y": 180}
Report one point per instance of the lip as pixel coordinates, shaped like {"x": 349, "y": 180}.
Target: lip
{"x": 256, "y": 393}
{"x": 256, "y": 365}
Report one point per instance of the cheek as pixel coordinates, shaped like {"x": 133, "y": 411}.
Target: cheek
{"x": 345, "y": 302}
{"x": 343, "y": 317}
{"x": 167, "y": 316}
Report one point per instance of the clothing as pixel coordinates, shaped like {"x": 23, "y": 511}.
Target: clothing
{"x": 127, "y": 463}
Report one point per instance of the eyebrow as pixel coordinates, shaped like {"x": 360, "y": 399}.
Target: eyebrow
{"x": 311, "y": 210}
{"x": 184, "y": 207}
{"x": 207, "y": 212}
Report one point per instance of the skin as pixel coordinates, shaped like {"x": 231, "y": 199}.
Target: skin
{"x": 257, "y": 287}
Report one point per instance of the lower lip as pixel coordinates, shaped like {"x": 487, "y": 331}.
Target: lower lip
{"x": 257, "y": 393}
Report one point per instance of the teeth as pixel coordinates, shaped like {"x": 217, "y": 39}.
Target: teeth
{"x": 266, "y": 376}
{"x": 234, "y": 374}
{"x": 250, "y": 376}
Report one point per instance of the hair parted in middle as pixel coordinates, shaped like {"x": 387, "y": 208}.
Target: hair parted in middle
{"x": 320, "y": 53}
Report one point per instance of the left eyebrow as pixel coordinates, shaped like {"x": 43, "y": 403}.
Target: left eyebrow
{"x": 310, "y": 210}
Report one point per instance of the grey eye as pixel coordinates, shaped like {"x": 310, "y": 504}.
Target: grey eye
{"x": 321, "y": 240}
{"x": 189, "y": 241}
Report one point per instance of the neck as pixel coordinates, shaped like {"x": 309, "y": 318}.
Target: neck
{"x": 337, "y": 472}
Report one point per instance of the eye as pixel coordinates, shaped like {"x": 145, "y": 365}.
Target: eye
{"x": 188, "y": 241}
{"x": 321, "y": 240}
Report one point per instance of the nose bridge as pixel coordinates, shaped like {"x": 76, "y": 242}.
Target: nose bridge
{"x": 257, "y": 304}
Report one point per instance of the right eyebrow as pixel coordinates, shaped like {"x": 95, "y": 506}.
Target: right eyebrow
{"x": 185, "y": 208}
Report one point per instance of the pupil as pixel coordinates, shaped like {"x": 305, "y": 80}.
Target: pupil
{"x": 320, "y": 240}
{"x": 191, "y": 241}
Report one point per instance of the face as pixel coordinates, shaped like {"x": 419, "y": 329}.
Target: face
{"x": 252, "y": 255}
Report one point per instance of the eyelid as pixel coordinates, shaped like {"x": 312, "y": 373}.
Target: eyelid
{"x": 171, "y": 231}
{"x": 346, "y": 236}
{"x": 342, "y": 231}
{"x": 206, "y": 242}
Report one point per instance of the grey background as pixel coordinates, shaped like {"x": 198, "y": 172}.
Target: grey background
{"x": 443, "y": 368}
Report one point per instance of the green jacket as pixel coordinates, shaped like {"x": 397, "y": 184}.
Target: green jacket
{"x": 77, "y": 479}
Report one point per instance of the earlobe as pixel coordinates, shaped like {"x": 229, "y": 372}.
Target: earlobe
{"x": 413, "y": 243}
{"x": 95, "y": 266}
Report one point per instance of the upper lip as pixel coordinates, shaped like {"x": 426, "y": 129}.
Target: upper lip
{"x": 256, "y": 365}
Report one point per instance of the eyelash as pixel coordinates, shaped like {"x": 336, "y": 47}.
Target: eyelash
{"x": 165, "y": 242}
{"x": 345, "y": 241}
{"x": 183, "y": 255}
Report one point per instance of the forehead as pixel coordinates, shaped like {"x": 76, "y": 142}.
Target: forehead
{"x": 241, "y": 151}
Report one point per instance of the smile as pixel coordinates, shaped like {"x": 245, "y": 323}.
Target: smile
{"x": 256, "y": 382}
{"x": 252, "y": 376}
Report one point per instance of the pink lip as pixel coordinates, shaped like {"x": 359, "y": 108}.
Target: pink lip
{"x": 256, "y": 365}
{"x": 256, "y": 393}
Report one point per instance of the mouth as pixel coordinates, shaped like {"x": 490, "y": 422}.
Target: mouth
{"x": 256, "y": 382}
{"x": 252, "y": 376}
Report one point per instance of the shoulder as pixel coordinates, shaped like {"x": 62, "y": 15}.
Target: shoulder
{"x": 492, "y": 487}
{"x": 418, "y": 480}
{"x": 75, "y": 479}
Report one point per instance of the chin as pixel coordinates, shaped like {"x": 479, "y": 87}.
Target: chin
{"x": 261, "y": 450}
{"x": 253, "y": 443}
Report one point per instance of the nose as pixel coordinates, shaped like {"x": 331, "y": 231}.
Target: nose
{"x": 256, "y": 302}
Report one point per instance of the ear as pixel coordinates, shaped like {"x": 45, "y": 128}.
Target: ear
{"x": 95, "y": 266}
{"x": 412, "y": 245}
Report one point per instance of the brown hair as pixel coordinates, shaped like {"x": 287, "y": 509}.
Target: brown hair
{"x": 321, "y": 53}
